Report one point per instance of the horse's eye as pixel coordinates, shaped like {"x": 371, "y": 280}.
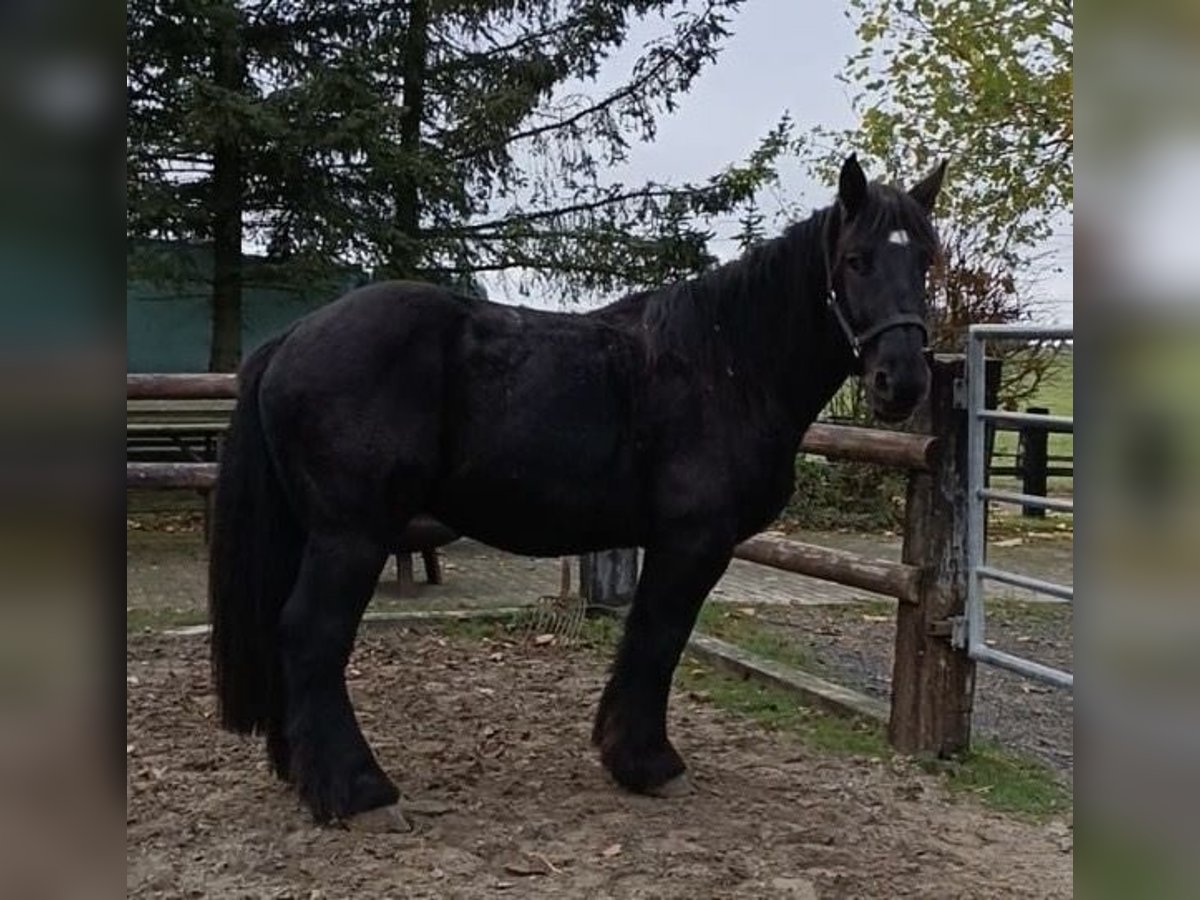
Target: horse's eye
{"x": 858, "y": 262}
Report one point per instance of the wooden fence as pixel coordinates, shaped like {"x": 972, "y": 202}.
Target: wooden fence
{"x": 932, "y": 681}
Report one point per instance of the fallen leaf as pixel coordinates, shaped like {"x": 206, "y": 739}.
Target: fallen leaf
{"x": 543, "y": 639}
{"x": 527, "y": 869}
{"x": 610, "y": 851}
{"x": 1010, "y": 542}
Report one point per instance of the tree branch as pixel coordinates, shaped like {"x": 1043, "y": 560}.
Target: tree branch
{"x": 633, "y": 87}
{"x": 589, "y": 206}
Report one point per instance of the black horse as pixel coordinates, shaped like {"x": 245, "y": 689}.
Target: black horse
{"x": 668, "y": 420}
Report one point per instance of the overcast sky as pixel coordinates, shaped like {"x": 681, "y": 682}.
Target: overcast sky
{"x": 783, "y": 56}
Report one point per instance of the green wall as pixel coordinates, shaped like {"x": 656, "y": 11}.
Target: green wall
{"x": 168, "y": 319}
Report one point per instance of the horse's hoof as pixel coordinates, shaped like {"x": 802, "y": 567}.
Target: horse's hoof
{"x": 679, "y": 786}
{"x": 381, "y": 820}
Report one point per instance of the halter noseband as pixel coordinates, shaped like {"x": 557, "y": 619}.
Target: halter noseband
{"x": 858, "y": 339}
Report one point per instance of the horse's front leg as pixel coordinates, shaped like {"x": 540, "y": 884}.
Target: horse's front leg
{"x": 631, "y": 723}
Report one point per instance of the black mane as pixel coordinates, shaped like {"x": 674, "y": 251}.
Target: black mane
{"x": 755, "y": 313}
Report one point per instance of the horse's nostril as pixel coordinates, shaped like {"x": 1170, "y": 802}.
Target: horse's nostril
{"x": 881, "y": 383}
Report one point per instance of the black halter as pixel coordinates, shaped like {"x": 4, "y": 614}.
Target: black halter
{"x": 859, "y": 339}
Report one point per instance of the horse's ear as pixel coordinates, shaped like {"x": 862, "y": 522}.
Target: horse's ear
{"x": 925, "y": 191}
{"x": 852, "y": 187}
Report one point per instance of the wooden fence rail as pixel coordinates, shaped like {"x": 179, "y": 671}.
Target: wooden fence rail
{"x": 899, "y": 449}
{"x": 893, "y": 579}
{"x": 202, "y": 386}
{"x": 933, "y": 681}
{"x": 162, "y": 476}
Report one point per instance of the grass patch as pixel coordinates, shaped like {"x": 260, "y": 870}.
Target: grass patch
{"x": 777, "y": 710}
{"x": 140, "y": 619}
{"x": 1056, "y": 392}
{"x": 727, "y": 622}
{"x": 1008, "y": 611}
{"x": 1004, "y": 781}
{"x": 1119, "y": 864}
{"x": 1001, "y": 780}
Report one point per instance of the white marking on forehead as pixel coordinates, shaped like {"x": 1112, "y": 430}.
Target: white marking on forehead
{"x": 898, "y": 237}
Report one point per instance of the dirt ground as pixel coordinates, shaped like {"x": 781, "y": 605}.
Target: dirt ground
{"x": 491, "y": 737}
{"x": 849, "y": 643}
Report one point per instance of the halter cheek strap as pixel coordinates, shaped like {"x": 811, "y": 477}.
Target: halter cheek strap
{"x": 858, "y": 339}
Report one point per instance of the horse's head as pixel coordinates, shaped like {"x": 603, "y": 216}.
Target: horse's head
{"x": 880, "y": 246}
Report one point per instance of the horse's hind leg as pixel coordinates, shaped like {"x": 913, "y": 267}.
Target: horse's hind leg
{"x": 330, "y": 763}
{"x": 631, "y": 722}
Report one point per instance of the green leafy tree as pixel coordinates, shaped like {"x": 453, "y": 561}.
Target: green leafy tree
{"x": 986, "y": 84}
{"x": 437, "y": 139}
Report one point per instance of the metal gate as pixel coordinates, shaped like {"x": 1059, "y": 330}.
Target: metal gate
{"x": 979, "y": 495}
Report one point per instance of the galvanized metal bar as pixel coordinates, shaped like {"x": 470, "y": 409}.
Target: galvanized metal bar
{"x": 976, "y": 475}
{"x": 1056, "y": 424}
{"x": 1054, "y": 503}
{"x": 979, "y": 495}
{"x": 1027, "y": 667}
{"x": 1029, "y": 332}
{"x": 1052, "y": 588}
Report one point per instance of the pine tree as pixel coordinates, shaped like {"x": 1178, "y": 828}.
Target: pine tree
{"x": 433, "y": 139}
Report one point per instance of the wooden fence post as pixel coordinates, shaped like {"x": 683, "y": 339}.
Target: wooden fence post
{"x": 1034, "y": 442}
{"x": 608, "y": 579}
{"x": 933, "y": 682}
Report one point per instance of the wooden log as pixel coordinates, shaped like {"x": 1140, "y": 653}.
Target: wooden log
{"x": 197, "y": 386}
{"x": 879, "y": 575}
{"x": 901, "y": 449}
{"x": 933, "y": 682}
{"x": 193, "y": 476}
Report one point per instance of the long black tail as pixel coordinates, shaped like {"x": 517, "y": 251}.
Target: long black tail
{"x": 254, "y": 558}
